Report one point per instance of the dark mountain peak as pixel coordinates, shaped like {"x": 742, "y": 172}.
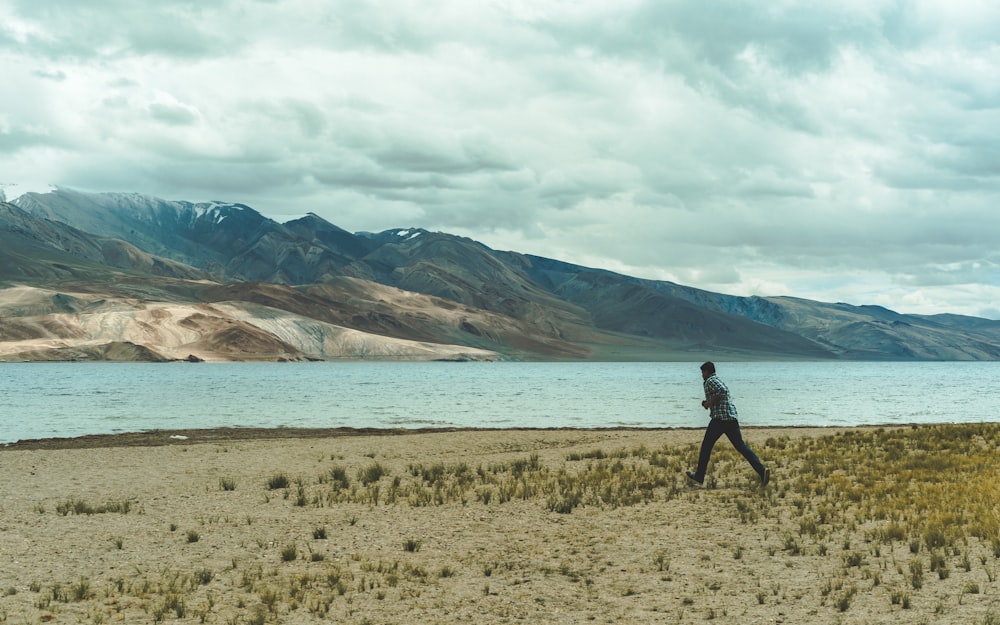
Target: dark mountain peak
{"x": 38, "y": 248}
{"x": 880, "y": 312}
{"x": 312, "y": 220}
{"x": 312, "y": 225}
{"x": 344, "y": 246}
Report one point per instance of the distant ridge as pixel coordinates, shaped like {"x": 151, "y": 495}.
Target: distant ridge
{"x": 232, "y": 284}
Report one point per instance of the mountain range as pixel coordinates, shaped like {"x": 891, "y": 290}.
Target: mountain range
{"x": 118, "y": 276}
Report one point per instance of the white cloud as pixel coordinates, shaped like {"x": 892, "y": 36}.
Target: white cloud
{"x": 840, "y": 151}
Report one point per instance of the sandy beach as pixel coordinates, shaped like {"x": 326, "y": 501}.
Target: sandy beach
{"x": 501, "y": 526}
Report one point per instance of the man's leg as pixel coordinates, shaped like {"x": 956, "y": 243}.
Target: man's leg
{"x": 736, "y": 438}
{"x": 712, "y": 434}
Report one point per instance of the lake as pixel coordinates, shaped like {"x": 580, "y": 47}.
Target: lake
{"x": 42, "y": 400}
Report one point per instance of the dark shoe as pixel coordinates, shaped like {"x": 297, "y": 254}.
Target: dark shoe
{"x": 695, "y": 478}
{"x": 765, "y": 479}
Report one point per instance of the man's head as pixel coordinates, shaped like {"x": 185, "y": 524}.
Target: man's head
{"x": 707, "y": 370}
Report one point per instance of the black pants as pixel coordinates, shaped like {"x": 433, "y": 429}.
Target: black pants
{"x": 731, "y": 428}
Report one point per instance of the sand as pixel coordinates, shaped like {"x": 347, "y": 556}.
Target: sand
{"x": 185, "y": 527}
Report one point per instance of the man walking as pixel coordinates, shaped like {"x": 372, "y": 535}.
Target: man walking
{"x": 724, "y": 420}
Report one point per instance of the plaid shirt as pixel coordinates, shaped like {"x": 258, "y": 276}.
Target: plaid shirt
{"x": 725, "y": 410}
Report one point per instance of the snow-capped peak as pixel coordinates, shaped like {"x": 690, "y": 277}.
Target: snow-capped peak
{"x": 408, "y": 234}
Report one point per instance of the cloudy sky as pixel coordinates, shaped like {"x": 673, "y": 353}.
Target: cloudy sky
{"x": 838, "y": 151}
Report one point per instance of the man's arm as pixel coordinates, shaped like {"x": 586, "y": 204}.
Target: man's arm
{"x": 713, "y": 395}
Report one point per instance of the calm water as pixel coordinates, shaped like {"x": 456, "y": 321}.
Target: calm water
{"x": 40, "y": 400}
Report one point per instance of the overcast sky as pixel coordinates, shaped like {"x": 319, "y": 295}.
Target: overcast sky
{"x": 837, "y": 151}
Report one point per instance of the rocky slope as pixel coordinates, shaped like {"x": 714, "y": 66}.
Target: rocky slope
{"x": 41, "y": 324}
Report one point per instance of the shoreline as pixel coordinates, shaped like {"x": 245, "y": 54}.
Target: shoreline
{"x": 190, "y": 436}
